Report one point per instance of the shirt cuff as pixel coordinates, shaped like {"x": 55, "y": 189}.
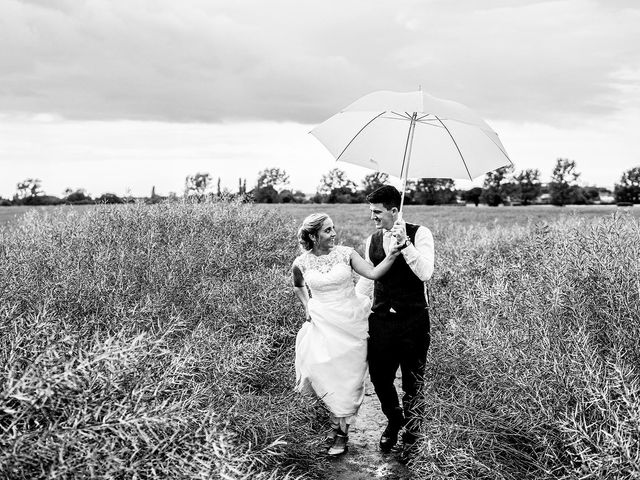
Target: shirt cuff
{"x": 410, "y": 252}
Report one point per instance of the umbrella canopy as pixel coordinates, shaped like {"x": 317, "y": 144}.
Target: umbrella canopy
{"x": 413, "y": 135}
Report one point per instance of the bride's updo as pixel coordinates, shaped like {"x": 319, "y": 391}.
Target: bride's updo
{"x": 310, "y": 226}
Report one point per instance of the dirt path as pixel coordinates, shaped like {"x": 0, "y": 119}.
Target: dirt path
{"x": 364, "y": 460}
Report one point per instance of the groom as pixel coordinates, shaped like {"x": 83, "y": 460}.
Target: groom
{"x": 399, "y": 319}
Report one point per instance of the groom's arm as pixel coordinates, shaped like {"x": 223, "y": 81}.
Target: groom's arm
{"x": 364, "y": 285}
{"x": 420, "y": 256}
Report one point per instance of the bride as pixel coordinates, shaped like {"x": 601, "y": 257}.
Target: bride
{"x": 331, "y": 347}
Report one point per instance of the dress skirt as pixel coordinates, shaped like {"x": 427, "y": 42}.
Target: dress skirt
{"x": 331, "y": 351}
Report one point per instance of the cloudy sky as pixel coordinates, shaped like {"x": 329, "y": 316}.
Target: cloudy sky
{"x": 122, "y": 95}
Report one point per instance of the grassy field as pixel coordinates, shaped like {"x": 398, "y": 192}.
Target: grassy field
{"x": 9, "y": 215}
{"x": 346, "y": 214}
{"x": 157, "y": 341}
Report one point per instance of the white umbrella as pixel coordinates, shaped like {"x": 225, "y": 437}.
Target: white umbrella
{"x": 413, "y": 135}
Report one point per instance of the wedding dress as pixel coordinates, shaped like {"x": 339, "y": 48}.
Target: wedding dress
{"x": 331, "y": 349}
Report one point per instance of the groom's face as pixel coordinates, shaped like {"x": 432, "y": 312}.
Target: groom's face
{"x": 382, "y": 218}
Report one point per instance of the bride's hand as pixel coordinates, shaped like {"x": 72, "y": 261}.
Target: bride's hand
{"x": 394, "y": 250}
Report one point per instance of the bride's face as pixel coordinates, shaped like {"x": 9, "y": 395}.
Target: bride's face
{"x": 326, "y": 236}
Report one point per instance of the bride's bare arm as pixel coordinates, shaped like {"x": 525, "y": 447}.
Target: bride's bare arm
{"x": 300, "y": 290}
{"x": 364, "y": 268}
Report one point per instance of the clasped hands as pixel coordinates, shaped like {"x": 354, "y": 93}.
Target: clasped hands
{"x": 399, "y": 232}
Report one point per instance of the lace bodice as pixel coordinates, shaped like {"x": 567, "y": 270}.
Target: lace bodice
{"x": 329, "y": 277}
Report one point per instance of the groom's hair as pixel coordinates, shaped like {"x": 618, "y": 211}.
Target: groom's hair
{"x": 387, "y": 195}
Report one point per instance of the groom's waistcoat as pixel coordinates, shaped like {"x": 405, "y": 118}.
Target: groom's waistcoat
{"x": 399, "y": 288}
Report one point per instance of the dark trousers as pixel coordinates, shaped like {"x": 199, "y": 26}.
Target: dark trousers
{"x": 399, "y": 339}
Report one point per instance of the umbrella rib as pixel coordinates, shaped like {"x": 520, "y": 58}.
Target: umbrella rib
{"x": 487, "y": 133}
{"x": 404, "y": 115}
{"x": 359, "y": 132}
{"x": 457, "y": 148}
{"x": 498, "y": 146}
{"x": 430, "y": 122}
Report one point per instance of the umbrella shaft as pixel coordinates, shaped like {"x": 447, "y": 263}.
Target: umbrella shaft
{"x": 406, "y": 160}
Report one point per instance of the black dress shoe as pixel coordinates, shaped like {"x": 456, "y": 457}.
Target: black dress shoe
{"x": 409, "y": 437}
{"x": 390, "y": 436}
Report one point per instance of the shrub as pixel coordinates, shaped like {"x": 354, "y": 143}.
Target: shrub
{"x": 110, "y": 198}
{"x": 150, "y": 342}
{"x": 78, "y": 198}
{"x": 41, "y": 200}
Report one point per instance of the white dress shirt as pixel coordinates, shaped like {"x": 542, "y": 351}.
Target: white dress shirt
{"x": 419, "y": 257}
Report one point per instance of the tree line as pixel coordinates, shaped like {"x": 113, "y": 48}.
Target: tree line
{"x": 500, "y": 187}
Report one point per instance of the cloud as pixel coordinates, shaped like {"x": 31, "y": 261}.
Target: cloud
{"x": 287, "y": 60}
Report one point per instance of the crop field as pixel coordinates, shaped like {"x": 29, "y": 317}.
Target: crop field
{"x": 157, "y": 342}
{"x": 9, "y": 215}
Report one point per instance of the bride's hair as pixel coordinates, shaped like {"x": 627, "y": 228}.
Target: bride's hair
{"x": 310, "y": 226}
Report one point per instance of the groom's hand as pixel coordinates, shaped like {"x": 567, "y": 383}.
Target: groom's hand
{"x": 399, "y": 231}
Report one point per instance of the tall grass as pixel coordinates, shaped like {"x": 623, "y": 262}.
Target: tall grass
{"x": 157, "y": 342}
{"x": 533, "y": 371}
{"x": 150, "y": 342}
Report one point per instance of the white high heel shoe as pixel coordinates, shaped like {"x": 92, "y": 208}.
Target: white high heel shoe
{"x": 340, "y": 445}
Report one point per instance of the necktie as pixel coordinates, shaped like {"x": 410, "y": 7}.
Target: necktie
{"x": 386, "y": 241}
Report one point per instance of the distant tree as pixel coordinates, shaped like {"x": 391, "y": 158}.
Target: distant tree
{"x": 373, "y": 181}
{"x": 29, "y": 188}
{"x": 154, "y": 198}
{"x": 434, "y": 191}
{"x": 29, "y": 192}
{"x": 342, "y": 195}
{"x": 273, "y": 177}
{"x": 590, "y": 195}
{"x": 128, "y": 197}
{"x": 527, "y": 186}
{"x": 266, "y": 194}
{"x": 409, "y": 191}
{"x": 564, "y": 182}
{"x": 628, "y": 190}
{"x": 334, "y": 179}
{"x": 472, "y": 195}
{"x": 286, "y": 196}
{"x": 299, "y": 196}
{"x": 78, "y": 196}
{"x": 494, "y": 191}
{"x": 335, "y": 187}
{"x": 198, "y": 184}
{"x": 43, "y": 200}
{"x": 111, "y": 198}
